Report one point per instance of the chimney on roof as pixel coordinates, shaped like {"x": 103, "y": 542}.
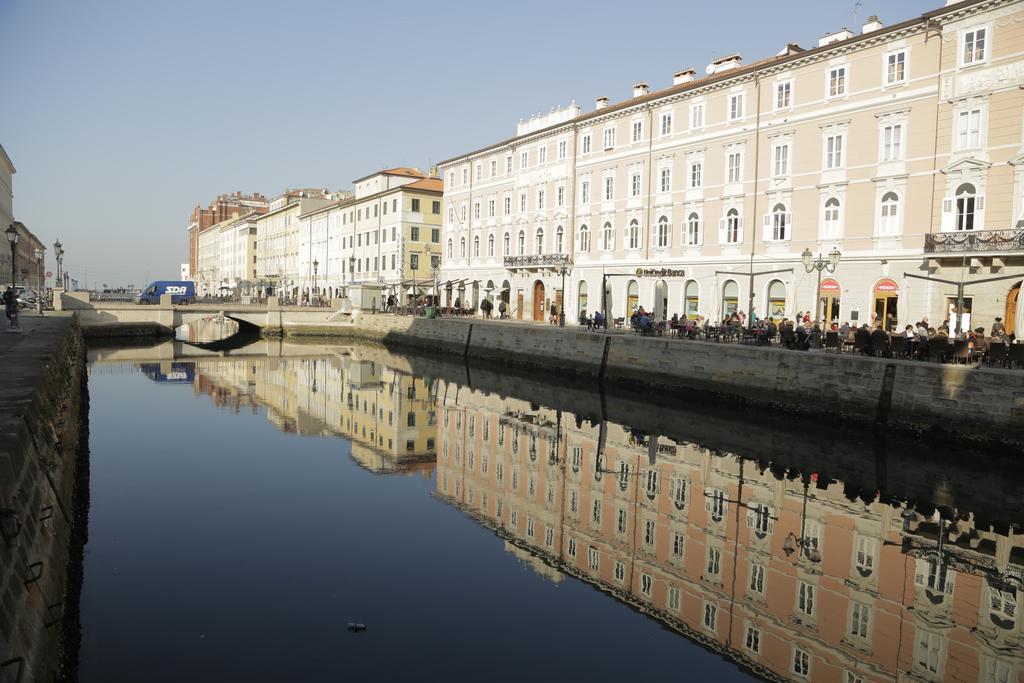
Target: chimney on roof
{"x": 684, "y": 76}
{"x": 829, "y": 38}
{"x": 601, "y": 103}
{"x": 872, "y": 24}
{"x": 641, "y": 89}
{"x": 725, "y": 63}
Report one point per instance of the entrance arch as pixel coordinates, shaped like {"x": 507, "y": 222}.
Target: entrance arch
{"x": 538, "y": 301}
{"x": 777, "y": 299}
{"x": 691, "y": 294}
{"x": 828, "y": 305}
{"x": 730, "y": 298}
{"x": 1010, "y": 317}
{"x": 660, "y": 300}
{"x": 886, "y": 294}
{"x": 581, "y": 298}
{"x": 632, "y": 297}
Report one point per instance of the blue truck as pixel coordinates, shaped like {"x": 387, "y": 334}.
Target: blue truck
{"x": 181, "y": 291}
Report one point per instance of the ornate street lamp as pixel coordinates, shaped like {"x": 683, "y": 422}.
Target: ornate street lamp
{"x": 808, "y": 545}
{"x": 39, "y": 279}
{"x": 566, "y": 268}
{"x": 316, "y": 266}
{"x": 12, "y": 237}
{"x": 819, "y": 264}
{"x": 58, "y": 253}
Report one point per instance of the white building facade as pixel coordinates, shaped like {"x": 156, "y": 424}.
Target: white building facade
{"x": 900, "y": 148}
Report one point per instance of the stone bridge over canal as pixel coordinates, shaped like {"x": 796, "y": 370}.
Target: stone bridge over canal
{"x": 268, "y": 318}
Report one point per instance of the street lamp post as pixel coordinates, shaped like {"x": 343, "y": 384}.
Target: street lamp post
{"x": 39, "y": 280}
{"x": 12, "y": 237}
{"x": 808, "y": 545}
{"x": 58, "y": 253}
{"x": 561, "y": 313}
{"x": 316, "y": 266}
{"x": 819, "y": 264}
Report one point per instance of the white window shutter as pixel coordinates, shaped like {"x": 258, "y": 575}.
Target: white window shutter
{"x": 750, "y": 519}
{"x": 721, "y": 231}
{"x": 700, "y": 233}
{"x": 789, "y": 225}
{"x": 766, "y": 228}
{"x": 739, "y": 236}
{"x": 979, "y": 212}
{"x": 979, "y": 203}
{"x": 948, "y": 223}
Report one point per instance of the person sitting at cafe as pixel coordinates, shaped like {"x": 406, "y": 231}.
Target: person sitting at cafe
{"x": 980, "y": 342}
{"x": 879, "y": 341}
{"x": 801, "y": 341}
{"x": 909, "y": 332}
{"x": 598, "y": 319}
{"x": 814, "y": 339}
{"x": 998, "y": 328}
{"x": 644, "y": 324}
{"x": 844, "y": 331}
{"x": 862, "y": 338}
{"x": 585, "y": 321}
{"x": 787, "y": 336}
{"x": 923, "y": 330}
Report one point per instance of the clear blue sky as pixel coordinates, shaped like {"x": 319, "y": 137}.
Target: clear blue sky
{"x": 121, "y": 116}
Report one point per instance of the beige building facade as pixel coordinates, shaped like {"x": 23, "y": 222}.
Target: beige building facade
{"x": 899, "y": 147}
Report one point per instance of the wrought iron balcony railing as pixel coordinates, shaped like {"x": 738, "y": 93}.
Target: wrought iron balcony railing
{"x": 538, "y": 261}
{"x": 967, "y": 241}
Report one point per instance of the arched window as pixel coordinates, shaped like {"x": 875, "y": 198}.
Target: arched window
{"x": 506, "y": 245}
{"x": 476, "y": 247}
{"x": 584, "y": 239}
{"x": 693, "y": 229}
{"x": 890, "y": 214}
{"x": 633, "y": 235}
{"x": 831, "y": 218}
{"x": 966, "y": 204}
{"x": 732, "y": 227}
{"x": 462, "y": 248}
{"x": 662, "y": 233}
{"x": 449, "y": 248}
{"x": 691, "y": 295}
{"x": 730, "y": 298}
{"x": 490, "y": 245}
{"x": 522, "y": 242}
{"x": 780, "y": 219}
{"x": 581, "y": 298}
{"x": 559, "y": 240}
{"x": 609, "y": 237}
{"x": 540, "y": 241}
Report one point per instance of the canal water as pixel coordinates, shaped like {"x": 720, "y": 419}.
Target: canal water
{"x": 287, "y": 512}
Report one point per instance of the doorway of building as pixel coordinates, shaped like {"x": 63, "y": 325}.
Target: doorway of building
{"x": 538, "y": 301}
{"x": 1010, "y": 316}
{"x": 632, "y": 297}
{"x": 581, "y": 298}
{"x": 730, "y": 298}
{"x": 660, "y": 300}
{"x": 886, "y": 296}
{"x": 519, "y": 304}
{"x": 777, "y": 300}
{"x": 828, "y": 305}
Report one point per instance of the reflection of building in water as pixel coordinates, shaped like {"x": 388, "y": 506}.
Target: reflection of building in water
{"x": 205, "y": 330}
{"x": 386, "y": 413}
{"x": 787, "y": 577}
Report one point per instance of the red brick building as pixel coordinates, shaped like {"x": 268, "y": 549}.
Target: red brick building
{"x": 218, "y": 210}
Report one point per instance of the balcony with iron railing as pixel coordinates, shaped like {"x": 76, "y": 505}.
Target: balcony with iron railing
{"x": 538, "y": 261}
{"x": 974, "y": 241}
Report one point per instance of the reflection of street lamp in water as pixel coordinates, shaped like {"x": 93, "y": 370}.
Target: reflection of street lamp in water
{"x": 808, "y": 545}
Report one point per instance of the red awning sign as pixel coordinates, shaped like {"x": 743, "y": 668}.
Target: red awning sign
{"x": 886, "y": 285}
{"x": 829, "y": 285}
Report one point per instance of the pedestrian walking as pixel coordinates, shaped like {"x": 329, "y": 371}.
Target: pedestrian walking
{"x": 11, "y": 309}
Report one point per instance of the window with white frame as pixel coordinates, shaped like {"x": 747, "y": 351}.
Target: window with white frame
{"x": 508, "y": 206}
{"x": 634, "y": 185}
{"x": 572, "y": 547}
{"x": 830, "y": 218}
{"x": 692, "y": 230}
{"x": 714, "y": 567}
{"x": 638, "y": 131}
{"x": 620, "y": 570}
{"x": 649, "y": 532}
{"x": 451, "y": 213}
{"x": 593, "y": 559}
{"x": 490, "y": 252}
{"x": 621, "y": 521}
{"x": 757, "y": 572}
{"x": 734, "y": 167}
{"x": 784, "y": 95}
{"x": 559, "y": 240}
{"x": 584, "y": 239}
{"x": 476, "y": 247}
{"x": 801, "y": 662}
{"x": 674, "y": 598}
{"x": 522, "y": 246}
{"x": 735, "y": 106}
{"x": 780, "y": 159}
{"x": 968, "y": 129}
{"x": 524, "y": 159}
{"x": 851, "y": 677}
{"x": 731, "y": 227}
{"x": 608, "y": 237}
{"x": 646, "y": 584}
{"x": 490, "y": 208}
{"x": 666, "y": 180}
{"x": 1003, "y": 606}
{"x": 892, "y": 142}
{"x": 540, "y": 199}
{"x": 563, "y": 147}
{"x": 890, "y": 212}
{"x": 609, "y": 188}
{"x": 463, "y": 208}
{"x": 997, "y": 671}
{"x": 678, "y": 544}
{"x": 661, "y": 233}
{"x": 928, "y": 652}
{"x": 560, "y": 196}
{"x": 696, "y": 174}
{"x": 864, "y": 560}
{"x": 967, "y": 205}
{"x": 586, "y": 143}
{"x": 805, "y": 598}
{"x": 710, "y": 616}
{"x": 462, "y": 247}
{"x": 508, "y": 165}
{"x": 779, "y": 221}
{"x": 609, "y": 137}
{"x": 666, "y": 123}
{"x": 522, "y": 202}
{"x": 506, "y": 245}
{"x": 834, "y": 150}
{"x": 752, "y": 640}
{"x": 542, "y": 154}
{"x": 860, "y": 620}
{"x": 465, "y": 175}
{"x": 585, "y": 192}
{"x": 896, "y": 67}
{"x": 837, "y": 81}
{"x": 539, "y": 241}
{"x": 696, "y": 116}
{"x": 633, "y": 235}
{"x": 595, "y": 513}
{"x": 974, "y": 46}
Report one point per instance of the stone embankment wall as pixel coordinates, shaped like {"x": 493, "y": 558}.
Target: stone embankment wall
{"x": 968, "y": 402}
{"x": 43, "y": 498}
